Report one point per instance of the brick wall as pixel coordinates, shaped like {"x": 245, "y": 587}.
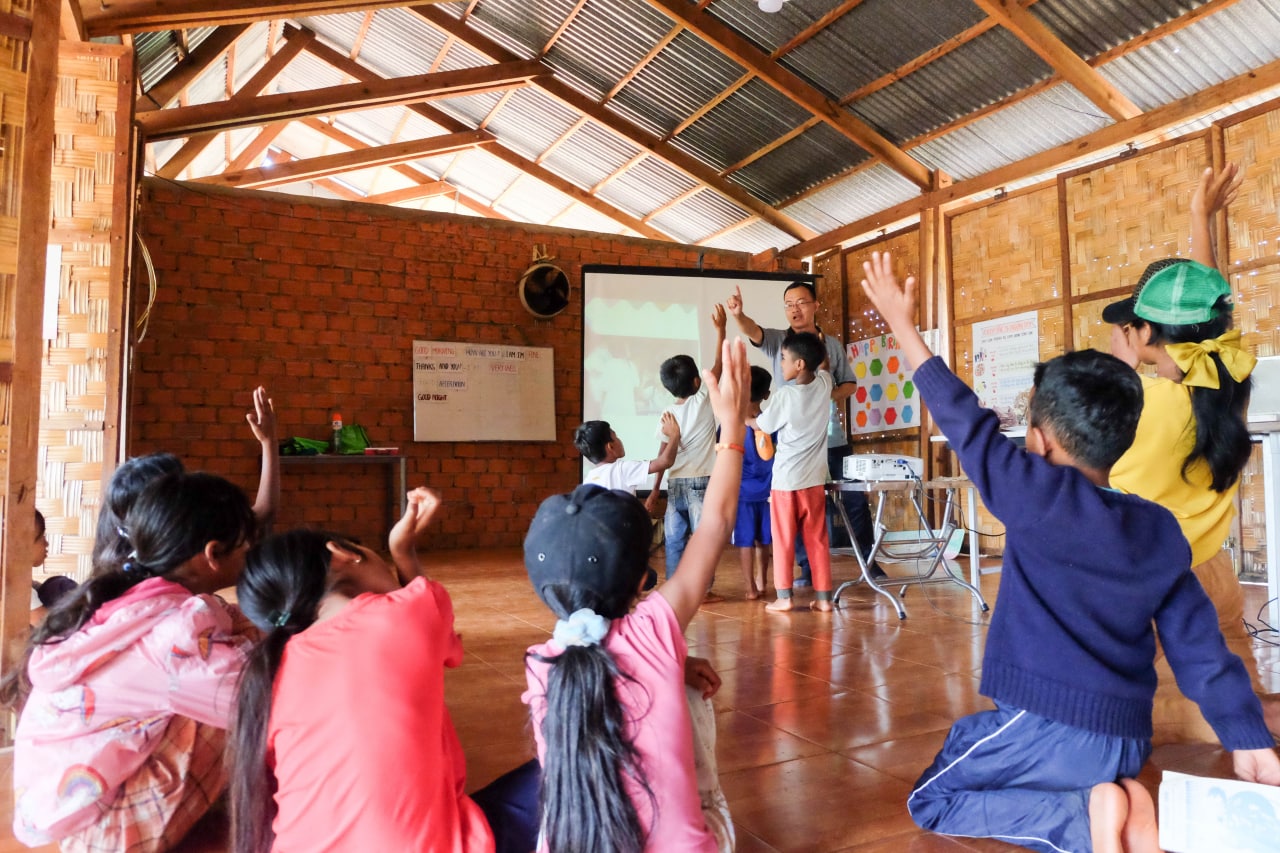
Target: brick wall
{"x": 320, "y": 302}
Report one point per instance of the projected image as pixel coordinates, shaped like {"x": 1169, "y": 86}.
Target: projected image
{"x": 634, "y": 320}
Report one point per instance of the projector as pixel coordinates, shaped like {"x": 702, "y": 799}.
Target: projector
{"x": 882, "y": 466}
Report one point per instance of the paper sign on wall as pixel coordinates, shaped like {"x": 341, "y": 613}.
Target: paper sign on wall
{"x": 1005, "y": 353}
{"x": 482, "y": 392}
{"x": 886, "y": 397}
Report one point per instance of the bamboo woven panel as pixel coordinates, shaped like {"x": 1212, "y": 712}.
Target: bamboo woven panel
{"x": 1005, "y": 254}
{"x": 864, "y": 322}
{"x": 831, "y": 293}
{"x": 1253, "y": 220}
{"x": 74, "y": 382}
{"x": 1252, "y": 547}
{"x": 1123, "y": 216}
{"x": 1257, "y": 294}
{"x": 1088, "y": 331}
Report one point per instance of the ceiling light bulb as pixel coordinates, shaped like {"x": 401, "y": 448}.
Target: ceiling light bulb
{"x": 771, "y": 5}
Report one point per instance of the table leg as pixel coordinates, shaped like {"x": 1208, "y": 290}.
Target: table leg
{"x": 1271, "y": 509}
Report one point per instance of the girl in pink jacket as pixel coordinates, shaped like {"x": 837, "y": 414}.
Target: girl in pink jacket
{"x": 131, "y": 679}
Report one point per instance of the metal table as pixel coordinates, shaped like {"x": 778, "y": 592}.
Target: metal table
{"x": 933, "y": 541}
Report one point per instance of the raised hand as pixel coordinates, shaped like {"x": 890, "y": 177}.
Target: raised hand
{"x": 670, "y": 427}
{"x": 1216, "y": 190}
{"x": 896, "y": 304}
{"x": 420, "y": 508}
{"x": 730, "y": 393}
{"x": 734, "y": 302}
{"x": 262, "y": 420}
{"x": 718, "y": 318}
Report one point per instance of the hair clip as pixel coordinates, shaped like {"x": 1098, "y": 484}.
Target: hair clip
{"x": 280, "y": 618}
{"x": 132, "y": 566}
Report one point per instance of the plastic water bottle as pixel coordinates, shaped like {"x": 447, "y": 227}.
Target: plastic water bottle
{"x": 337, "y": 431}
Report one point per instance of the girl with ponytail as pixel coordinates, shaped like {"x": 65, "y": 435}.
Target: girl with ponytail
{"x": 606, "y": 693}
{"x": 1192, "y": 441}
{"x": 341, "y": 739}
{"x": 129, "y": 681}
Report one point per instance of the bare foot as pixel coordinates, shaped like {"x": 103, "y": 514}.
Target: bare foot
{"x": 753, "y": 594}
{"x": 1140, "y": 834}
{"x": 782, "y": 605}
{"x": 712, "y": 598}
{"x": 1108, "y": 811}
{"x": 821, "y": 605}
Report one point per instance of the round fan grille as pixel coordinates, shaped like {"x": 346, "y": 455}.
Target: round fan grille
{"x": 544, "y": 290}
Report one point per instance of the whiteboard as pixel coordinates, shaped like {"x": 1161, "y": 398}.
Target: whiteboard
{"x": 483, "y": 392}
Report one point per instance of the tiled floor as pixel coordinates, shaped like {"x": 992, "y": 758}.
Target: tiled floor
{"x": 824, "y": 720}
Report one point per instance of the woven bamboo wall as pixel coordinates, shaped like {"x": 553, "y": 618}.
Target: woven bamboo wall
{"x": 864, "y": 322}
{"x": 74, "y": 384}
{"x": 1124, "y": 215}
{"x": 1006, "y": 256}
{"x": 13, "y": 89}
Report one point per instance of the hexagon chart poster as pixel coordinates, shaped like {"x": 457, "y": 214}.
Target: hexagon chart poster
{"x": 886, "y": 398}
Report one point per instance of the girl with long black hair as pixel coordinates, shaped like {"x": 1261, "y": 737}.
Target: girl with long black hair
{"x": 607, "y": 694}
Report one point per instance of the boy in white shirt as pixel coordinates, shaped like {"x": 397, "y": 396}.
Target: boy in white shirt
{"x": 687, "y": 480}
{"x": 597, "y": 441}
{"x": 797, "y": 412}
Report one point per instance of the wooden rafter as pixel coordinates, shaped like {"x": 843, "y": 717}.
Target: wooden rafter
{"x": 430, "y": 189}
{"x": 741, "y": 223}
{"x": 362, "y": 34}
{"x": 643, "y": 63}
{"x": 73, "y": 22}
{"x": 772, "y": 146}
{"x": 564, "y": 25}
{"x": 295, "y": 41}
{"x": 192, "y": 66}
{"x": 1154, "y": 121}
{"x": 579, "y": 123}
{"x": 711, "y": 104}
{"x": 667, "y": 205}
{"x": 816, "y": 27}
{"x": 571, "y": 97}
{"x": 796, "y": 89}
{"x": 1062, "y": 59}
{"x": 113, "y": 19}
{"x": 513, "y": 158}
{"x": 1165, "y": 29}
{"x": 255, "y": 148}
{"x": 620, "y": 171}
{"x": 15, "y": 26}
{"x": 329, "y": 165}
{"x": 497, "y": 108}
{"x": 169, "y": 124}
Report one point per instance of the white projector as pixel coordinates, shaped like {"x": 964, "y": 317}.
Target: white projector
{"x": 882, "y": 466}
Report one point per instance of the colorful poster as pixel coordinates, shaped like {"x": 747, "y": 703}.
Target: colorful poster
{"x": 886, "y": 397}
{"x": 1005, "y": 353}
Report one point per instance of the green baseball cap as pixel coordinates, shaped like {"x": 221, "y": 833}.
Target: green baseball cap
{"x": 1181, "y": 294}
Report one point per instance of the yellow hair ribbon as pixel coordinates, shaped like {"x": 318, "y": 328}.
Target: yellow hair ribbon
{"x": 1196, "y": 362}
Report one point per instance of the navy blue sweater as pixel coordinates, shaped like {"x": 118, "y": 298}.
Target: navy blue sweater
{"x": 1086, "y": 572}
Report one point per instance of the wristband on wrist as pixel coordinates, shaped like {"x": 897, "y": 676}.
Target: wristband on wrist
{"x": 726, "y": 445}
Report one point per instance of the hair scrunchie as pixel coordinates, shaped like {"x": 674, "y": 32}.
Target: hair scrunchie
{"x": 1196, "y": 362}
{"x": 584, "y": 627}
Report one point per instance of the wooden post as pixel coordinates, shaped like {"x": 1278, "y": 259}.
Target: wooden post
{"x": 33, "y": 240}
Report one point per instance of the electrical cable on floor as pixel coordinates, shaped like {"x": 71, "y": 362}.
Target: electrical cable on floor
{"x": 1263, "y": 627}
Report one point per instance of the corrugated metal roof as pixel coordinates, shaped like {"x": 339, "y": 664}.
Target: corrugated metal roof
{"x": 841, "y": 58}
{"x": 749, "y": 238}
{"x": 522, "y": 27}
{"x": 336, "y": 31}
{"x": 590, "y": 154}
{"x": 769, "y": 31}
{"x": 471, "y": 109}
{"x": 584, "y": 218}
{"x": 863, "y": 193}
{"x": 1057, "y": 115}
{"x": 375, "y": 126}
{"x": 646, "y": 186}
{"x": 746, "y": 121}
{"x": 400, "y": 44}
{"x": 481, "y": 174}
{"x": 306, "y": 72}
{"x": 1090, "y": 27}
{"x": 698, "y": 216}
{"x": 605, "y": 41}
{"x": 684, "y": 76}
{"x": 806, "y": 161}
{"x": 993, "y": 65}
{"x": 530, "y": 121}
{"x": 530, "y": 200}
{"x": 158, "y": 53}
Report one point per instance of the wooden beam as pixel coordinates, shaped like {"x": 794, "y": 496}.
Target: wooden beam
{"x": 711, "y": 104}
{"x": 349, "y": 161}
{"x": 362, "y": 34}
{"x": 414, "y": 174}
{"x": 249, "y": 155}
{"x": 428, "y": 190}
{"x": 796, "y": 89}
{"x": 15, "y": 26}
{"x": 958, "y": 40}
{"x": 116, "y": 18}
{"x": 564, "y": 25}
{"x": 816, "y": 27}
{"x": 1152, "y": 122}
{"x": 192, "y": 66}
{"x": 479, "y": 207}
{"x": 644, "y": 61}
{"x": 574, "y": 99}
{"x": 295, "y": 42}
{"x": 1062, "y": 59}
{"x": 170, "y": 124}
{"x": 524, "y": 164}
{"x": 73, "y": 22}
{"x": 21, "y": 443}
{"x": 562, "y": 138}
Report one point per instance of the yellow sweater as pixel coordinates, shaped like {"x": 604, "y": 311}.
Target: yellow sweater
{"x": 1152, "y": 468}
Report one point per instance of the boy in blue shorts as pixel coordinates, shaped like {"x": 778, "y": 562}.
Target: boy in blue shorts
{"x": 751, "y": 534}
{"x": 1070, "y": 653}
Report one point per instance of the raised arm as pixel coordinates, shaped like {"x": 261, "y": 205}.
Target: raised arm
{"x": 1214, "y": 192}
{"x": 897, "y": 305}
{"x": 746, "y": 325}
{"x": 730, "y": 397}
{"x": 718, "y": 320}
{"x": 670, "y": 447}
{"x": 420, "y": 509}
{"x": 262, "y": 420}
